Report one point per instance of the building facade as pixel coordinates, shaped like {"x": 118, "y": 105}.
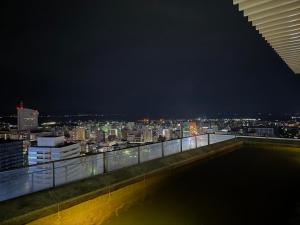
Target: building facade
{"x": 27, "y": 118}
{"x": 52, "y": 148}
{"x": 147, "y": 135}
{"x": 11, "y": 154}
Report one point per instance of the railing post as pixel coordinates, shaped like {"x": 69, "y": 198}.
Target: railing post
{"x": 208, "y": 138}
{"x": 196, "y": 145}
{"x": 104, "y": 163}
{"x": 93, "y": 167}
{"x": 181, "y": 144}
{"x": 53, "y": 175}
{"x": 139, "y": 155}
{"x": 32, "y": 183}
{"x": 66, "y": 173}
{"x": 162, "y": 150}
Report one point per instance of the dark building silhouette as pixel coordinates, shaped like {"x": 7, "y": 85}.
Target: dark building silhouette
{"x": 11, "y": 154}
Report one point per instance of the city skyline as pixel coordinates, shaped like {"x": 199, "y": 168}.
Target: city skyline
{"x": 179, "y": 59}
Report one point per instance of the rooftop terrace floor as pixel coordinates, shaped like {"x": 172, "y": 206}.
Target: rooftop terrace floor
{"x": 247, "y": 186}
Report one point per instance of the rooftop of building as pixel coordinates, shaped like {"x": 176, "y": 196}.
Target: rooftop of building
{"x": 50, "y": 136}
{"x": 38, "y": 131}
{"x": 260, "y": 127}
{"x": 5, "y": 141}
{"x": 65, "y": 144}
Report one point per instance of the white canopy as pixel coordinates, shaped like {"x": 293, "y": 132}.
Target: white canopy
{"x": 278, "y": 21}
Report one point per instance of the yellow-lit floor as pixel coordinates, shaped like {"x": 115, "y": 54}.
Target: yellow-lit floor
{"x": 97, "y": 210}
{"x": 197, "y": 193}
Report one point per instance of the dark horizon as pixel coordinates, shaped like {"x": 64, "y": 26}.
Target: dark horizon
{"x": 158, "y": 116}
{"x": 179, "y": 58}
{"x": 12, "y": 118}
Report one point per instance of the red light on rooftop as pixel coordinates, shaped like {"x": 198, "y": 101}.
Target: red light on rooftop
{"x": 19, "y": 107}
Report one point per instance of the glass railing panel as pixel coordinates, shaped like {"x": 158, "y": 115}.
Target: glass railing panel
{"x": 41, "y": 176}
{"x": 14, "y": 183}
{"x": 149, "y": 152}
{"x": 202, "y": 140}
{"x": 121, "y": 158}
{"x": 18, "y": 182}
{"x": 215, "y": 138}
{"x": 78, "y": 168}
{"x": 188, "y": 143}
{"x": 171, "y": 147}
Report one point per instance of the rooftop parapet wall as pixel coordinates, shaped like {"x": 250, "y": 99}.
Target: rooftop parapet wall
{"x": 270, "y": 142}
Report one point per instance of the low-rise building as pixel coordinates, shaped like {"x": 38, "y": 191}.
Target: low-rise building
{"x": 52, "y": 148}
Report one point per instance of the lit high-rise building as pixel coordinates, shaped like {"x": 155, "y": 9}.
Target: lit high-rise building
{"x": 185, "y": 126}
{"x": 194, "y": 128}
{"x": 148, "y": 135}
{"x": 79, "y": 134}
{"x": 100, "y": 136}
{"x": 27, "y": 118}
{"x": 130, "y": 125}
{"x": 167, "y": 134}
{"x": 113, "y": 132}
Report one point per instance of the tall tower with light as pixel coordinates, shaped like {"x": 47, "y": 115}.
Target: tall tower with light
{"x": 27, "y": 118}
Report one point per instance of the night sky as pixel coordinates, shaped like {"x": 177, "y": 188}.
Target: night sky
{"x": 144, "y": 58}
